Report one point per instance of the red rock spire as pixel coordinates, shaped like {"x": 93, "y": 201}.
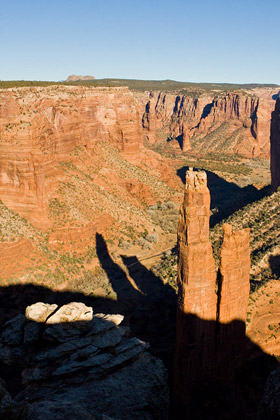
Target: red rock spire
{"x": 211, "y": 311}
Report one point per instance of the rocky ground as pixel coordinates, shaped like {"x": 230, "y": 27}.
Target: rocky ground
{"x": 68, "y": 354}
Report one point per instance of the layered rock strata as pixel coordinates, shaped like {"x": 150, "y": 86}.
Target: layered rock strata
{"x": 234, "y": 281}
{"x": 275, "y": 147}
{"x": 196, "y": 288}
{"x": 233, "y": 297}
{"x": 70, "y": 354}
{"x": 239, "y": 121}
{"x": 42, "y": 127}
{"x": 210, "y": 325}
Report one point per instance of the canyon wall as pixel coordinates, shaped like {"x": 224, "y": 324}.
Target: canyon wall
{"x": 43, "y": 128}
{"x": 275, "y": 147}
{"x": 40, "y": 127}
{"x": 240, "y": 121}
{"x": 210, "y": 323}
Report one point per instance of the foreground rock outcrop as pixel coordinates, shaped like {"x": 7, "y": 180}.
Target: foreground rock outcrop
{"x": 275, "y": 147}
{"x": 68, "y": 354}
{"x": 210, "y": 325}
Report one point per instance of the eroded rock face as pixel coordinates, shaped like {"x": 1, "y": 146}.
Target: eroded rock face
{"x": 233, "y": 297}
{"x": 41, "y": 127}
{"x": 243, "y": 121}
{"x": 88, "y": 358}
{"x": 234, "y": 268}
{"x": 196, "y": 262}
{"x": 197, "y": 300}
{"x": 210, "y": 325}
{"x": 275, "y": 147}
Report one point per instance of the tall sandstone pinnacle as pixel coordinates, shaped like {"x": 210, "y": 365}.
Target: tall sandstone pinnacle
{"x": 234, "y": 269}
{"x": 196, "y": 262}
{"x": 233, "y": 296}
{"x": 197, "y": 301}
{"x": 275, "y": 147}
{"x": 210, "y": 323}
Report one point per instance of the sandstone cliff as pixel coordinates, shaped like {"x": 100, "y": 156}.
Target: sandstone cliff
{"x": 42, "y": 127}
{"x": 72, "y": 164}
{"x": 235, "y": 122}
{"x": 275, "y": 147}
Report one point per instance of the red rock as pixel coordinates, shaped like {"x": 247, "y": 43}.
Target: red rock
{"x": 79, "y": 237}
{"x": 185, "y": 138}
{"x": 234, "y": 269}
{"x": 40, "y": 127}
{"x": 233, "y": 297}
{"x": 15, "y": 256}
{"x": 197, "y": 300}
{"x": 275, "y": 147}
{"x": 210, "y": 326}
{"x": 243, "y": 115}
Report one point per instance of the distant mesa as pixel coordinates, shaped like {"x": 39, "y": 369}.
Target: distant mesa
{"x": 75, "y": 78}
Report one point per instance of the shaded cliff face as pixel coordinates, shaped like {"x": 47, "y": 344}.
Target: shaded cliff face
{"x": 72, "y": 354}
{"x": 237, "y": 122}
{"x": 275, "y": 147}
{"x": 42, "y": 127}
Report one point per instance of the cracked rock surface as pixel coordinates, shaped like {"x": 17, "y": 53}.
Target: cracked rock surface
{"x": 70, "y": 355}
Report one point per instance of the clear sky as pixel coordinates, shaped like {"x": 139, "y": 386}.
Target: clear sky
{"x": 198, "y": 41}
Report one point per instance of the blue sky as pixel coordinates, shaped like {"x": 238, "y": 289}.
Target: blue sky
{"x": 197, "y": 41}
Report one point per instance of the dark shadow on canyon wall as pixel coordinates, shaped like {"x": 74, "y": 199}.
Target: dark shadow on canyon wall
{"x": 212, "y": 394}
{"x": 219, "y": 373}
{"x": 125, "y": 291}
{"x": 180, "y": 141}
{"x": 274, "y": 262}
{"x": 226, "y": 197}
{"x": 150, "y": 306}
{"x": 206, "y": 110}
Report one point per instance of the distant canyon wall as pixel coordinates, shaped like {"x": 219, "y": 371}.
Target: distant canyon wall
{"x": 275, "y": 147}
{"x": 228, "y": 123}
{"x": 40, "y": 127}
